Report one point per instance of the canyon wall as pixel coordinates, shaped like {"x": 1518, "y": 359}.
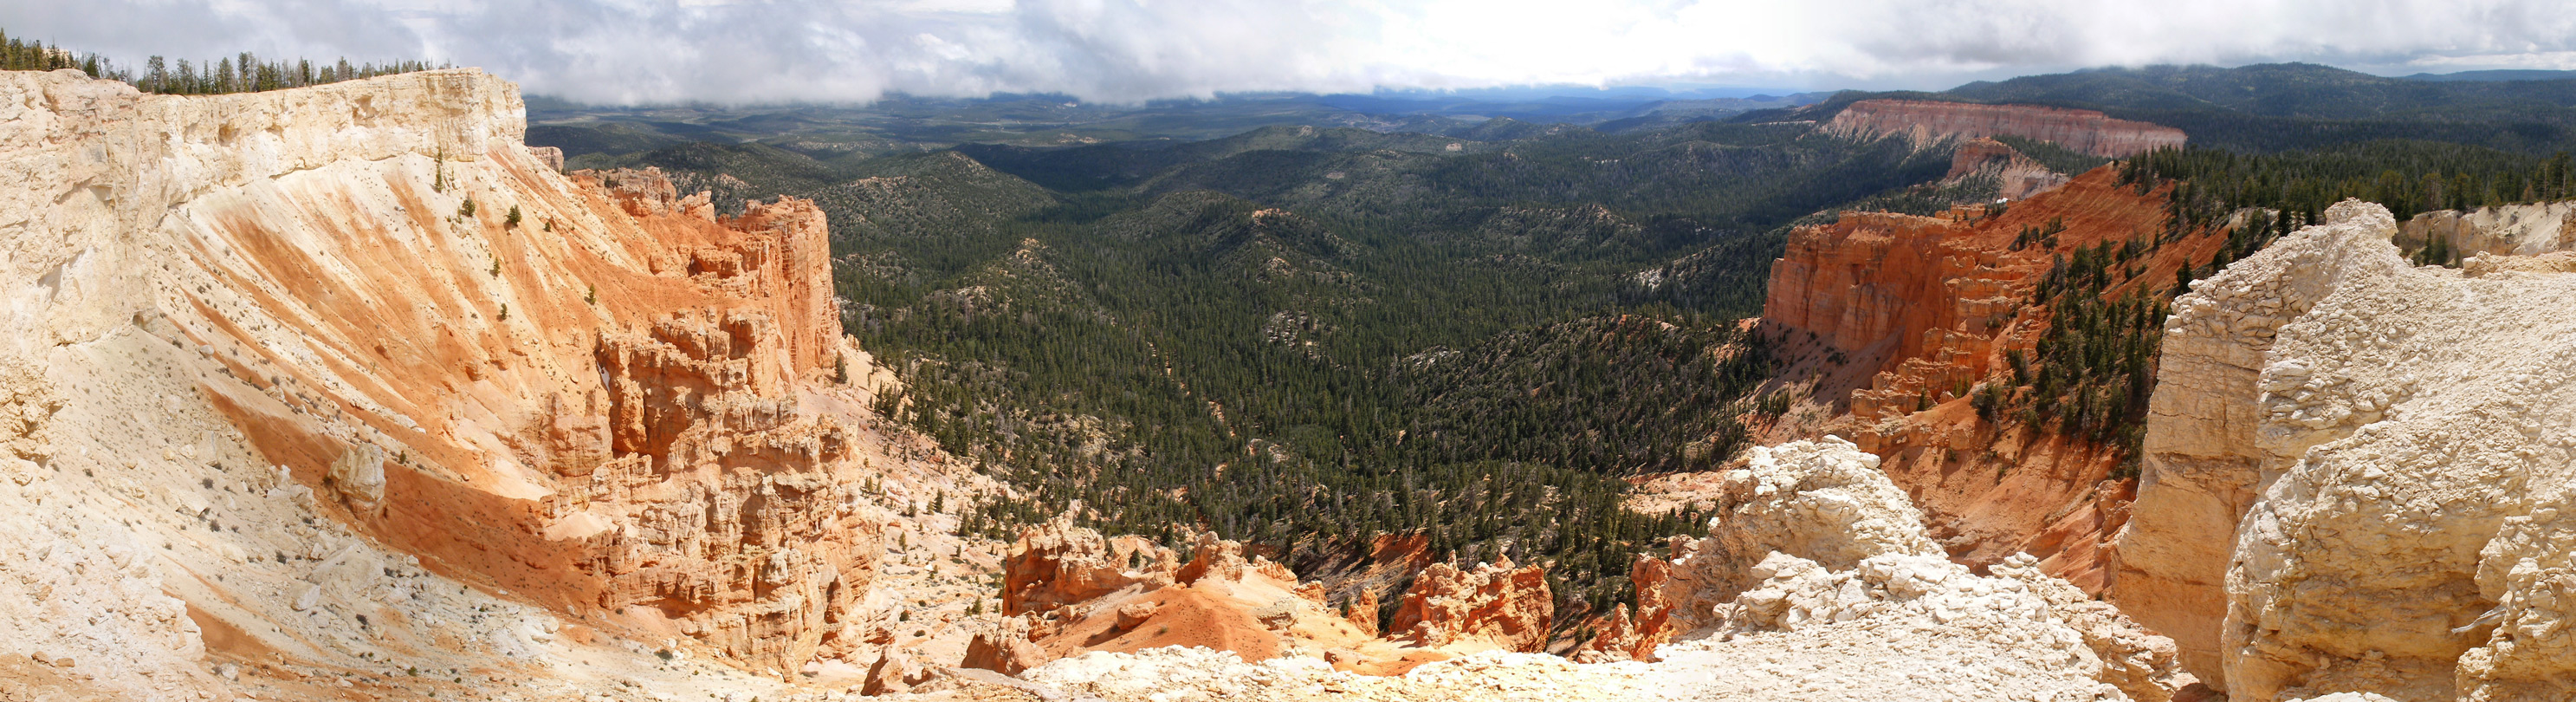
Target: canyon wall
{"x": 2016, "y": 175}
{"x": 1926, "y": 122}
{"x": 2356, "y": 473}
{"x": 312, "y": 376}
{"x": 1906, "y": 313}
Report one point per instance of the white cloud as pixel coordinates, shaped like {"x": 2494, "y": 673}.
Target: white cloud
{"x": 1123, "y": 50}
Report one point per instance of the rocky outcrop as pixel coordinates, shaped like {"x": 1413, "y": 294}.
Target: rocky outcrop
{"x": 1813, "y": 555}
{"x": 1006, "y": 649}
{"x": 1895, "y": 316}
{"x": 1067, "y": 590}
{"x": 2016, "y": 176}
{"x": 1817, "y": 500}
{"x": 897, "y": 672}
{"x": 2354, "y": 474}
{"x": 1058, "y": 564}
{"x": 1497, "y": 603}
{"x": 361, "y": 366}
{"x": 1866, "y": 285}
{"x": 1890, "y": 619}
{"x": 1926, "y": 122}
{"x": 2511, "y": 230}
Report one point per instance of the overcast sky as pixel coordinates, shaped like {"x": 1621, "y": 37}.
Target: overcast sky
{"x": 631, "y": 51}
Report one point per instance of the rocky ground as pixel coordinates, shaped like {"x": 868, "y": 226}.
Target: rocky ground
{"x": 1848, "y": 600}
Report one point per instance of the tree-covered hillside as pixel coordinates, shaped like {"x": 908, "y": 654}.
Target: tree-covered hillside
{"x": 2289, "y": 106}
{"x": 1305, "y": 338}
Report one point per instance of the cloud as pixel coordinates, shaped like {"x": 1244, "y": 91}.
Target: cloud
{"x": 643, "y": 51}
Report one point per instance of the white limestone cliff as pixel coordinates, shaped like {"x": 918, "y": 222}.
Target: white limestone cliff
{"x": 2395, "y": 441}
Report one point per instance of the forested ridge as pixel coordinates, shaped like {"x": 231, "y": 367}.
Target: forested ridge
{"x": 1308, "y": 338}
{"x": 243, "y": 73}
{"x": 1303, "y": 338}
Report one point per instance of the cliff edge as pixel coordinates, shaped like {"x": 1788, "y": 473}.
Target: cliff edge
{"x": 312, "y": 390}
{"x": 2355, "y": 476}
{"x": 1926, "y": 121}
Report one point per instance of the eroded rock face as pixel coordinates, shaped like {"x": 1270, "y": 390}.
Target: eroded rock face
{"x": 2514, "y": 230}
{"x": 2393, "y": 439}
{"x": 1906, "y": 313}
{"x": 1498, "y": 603}
{"x": 1891, "y": 618}
{"x": 1925, "y": 122}
{"x": 1006, "y": 649}
{"x": 1059, "y": 564}
{"x": 2016, "y": 175}
{"x": 1823, "y": 501}
{"x": 361, "y": 325}
{"x": 1814, "y": 555}
{"x": 1911, "y": 626}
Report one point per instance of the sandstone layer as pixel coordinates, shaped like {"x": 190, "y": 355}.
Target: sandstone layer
{"x": 1926, "y": 122}
{"x": 1887, "y": 320}
{"x": 311, "y": 381}
{"x": 2387, "y": 447}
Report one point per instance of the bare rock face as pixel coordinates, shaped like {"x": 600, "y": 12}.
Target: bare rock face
{"x": 1925, "y": 122}
{"x": 2511, "y": 230}
{"x": 1903, "y": 314}
{"x": 1863, "y": 284}
{"x": 1824, "y": 501}
{"x": 2383, "y": 443}
{"x": 350, "y": 395}
{"x": 1059, "y": 564}
{"x": 896, "y": 672}
{"x": 1814, "y": 555}
{"x": 2016, "y": 175}
{"x": 359, "y": 477}
{"x": 1006, "y": 649}
{"x": 1498, "y": 603}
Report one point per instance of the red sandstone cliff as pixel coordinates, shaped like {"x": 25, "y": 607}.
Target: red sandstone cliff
{"x": 1919, "y": 307}
{"x": 1925, "y": 122}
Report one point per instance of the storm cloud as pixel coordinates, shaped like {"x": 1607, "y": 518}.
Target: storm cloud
{"x": 648, "y": 51}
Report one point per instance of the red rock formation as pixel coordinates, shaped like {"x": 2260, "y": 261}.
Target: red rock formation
{"x": 1929, "y": 306}
{"x": 1068, "y": 591}
{"x": 1925, "y": 122}
{"x": 1633, "y": 635}
{"x": 1507, "y": 606}
{"x": 407, "y": 346}
{"x": 2016, "y": 175}
{"x": 1006, "y": 649}
{"x": 1058, "y": 564}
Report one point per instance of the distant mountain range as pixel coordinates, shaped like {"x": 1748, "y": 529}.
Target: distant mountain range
{"x": 2495, "y": 75}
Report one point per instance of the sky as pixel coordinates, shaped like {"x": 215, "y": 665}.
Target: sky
{"x": 747, "y": 51}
